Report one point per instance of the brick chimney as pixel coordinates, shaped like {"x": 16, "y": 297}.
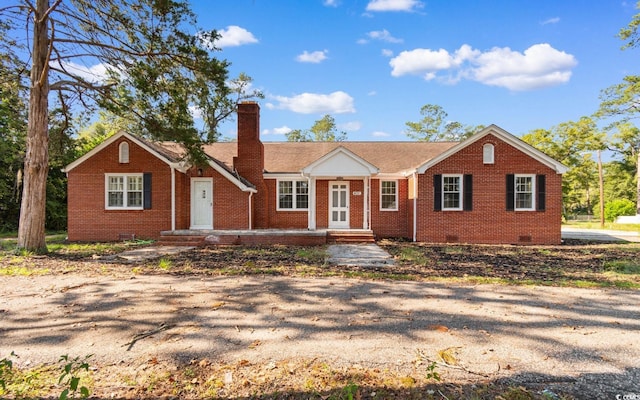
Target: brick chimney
{"x": 249, "y": 162}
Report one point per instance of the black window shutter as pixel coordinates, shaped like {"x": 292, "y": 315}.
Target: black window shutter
{"x": 437, "y": 193}
{"x": 146, "y": 190}
{"x": 541, "y": 188}
{"x": 511, "y": 181}
{"x": 467, "y": 200}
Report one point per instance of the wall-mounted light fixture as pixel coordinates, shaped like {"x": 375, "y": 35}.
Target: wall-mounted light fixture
{"x": 199, "y": 171}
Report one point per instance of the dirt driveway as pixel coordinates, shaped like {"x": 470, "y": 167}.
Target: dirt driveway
{"x": 580, "y": 341}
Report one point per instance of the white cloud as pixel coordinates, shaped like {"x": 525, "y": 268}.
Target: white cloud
{"x": 195, "y": 111}
{"x": 331, "y": 3}
{"x": 234, "y": 36}
{"x": 314, "y": 57}
{"x": 94, "y": 73}
{"x": 387, "y": 53}
{"x": 553, "y": 20}
{"x": 394, "y": 5}
{"x": 314, "y": 103}
{"x": 537, "y": 67}
{"x": 380, "y": 134}
{"x": 384, "y": 35}
{"x": 283, "y": 130}
{"x": 372, "y": 93}
{"x": 351, "y": 126}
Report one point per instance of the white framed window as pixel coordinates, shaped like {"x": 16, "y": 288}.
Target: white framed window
{"x": 524, "y": 192}
{"x": 293, "y": 195}
{"x": 389, "y": 195}
{"x": 123, "y": 153}
{"x": 488, "y": 153}
{"x": 452, "y": 192}
{"x": 124, "y": 191}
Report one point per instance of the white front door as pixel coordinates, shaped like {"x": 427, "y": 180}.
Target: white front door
{"x": 339, "y": 205}
{"x": 201, "y": 203}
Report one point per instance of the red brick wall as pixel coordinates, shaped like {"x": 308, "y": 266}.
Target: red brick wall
{"x": 322, "y": 204}
{"x": 283, "y": 219}
{"x": 250, "y": 160}
{"x": 87, "y": 218}
{"x": 391, "y": 223}
{"x": 489, "y": 222}
{"x": 230, "y": 204}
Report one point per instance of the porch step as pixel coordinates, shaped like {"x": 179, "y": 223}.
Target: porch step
{"x": 350, "y": 236}
{"x": 181, "y": 240}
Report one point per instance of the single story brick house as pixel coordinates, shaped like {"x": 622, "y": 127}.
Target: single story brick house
{"x": 489, "y": 188}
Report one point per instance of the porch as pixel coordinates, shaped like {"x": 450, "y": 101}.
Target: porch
{"x": 299, "y": 237}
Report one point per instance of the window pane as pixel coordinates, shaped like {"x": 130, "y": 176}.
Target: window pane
{"x": 524, "y": 192}
{"x": 134, "y": 183}
{"x": 451, "y": 192}
{"x": 302, "y": 194}
{"x": 116, "y": 183}
{"x": 388, "y": 198}
{"x": 451, "y": 200}
{"x": 115, "y": 199}
{"x": 285, "y": 194}
{"x": 134, "y": 199}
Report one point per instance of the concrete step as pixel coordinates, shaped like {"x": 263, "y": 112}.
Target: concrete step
{"x": 360, "y": 236}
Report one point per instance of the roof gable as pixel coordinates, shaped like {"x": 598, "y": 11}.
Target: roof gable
{"x": 505, "y": 137}
{"x": 340, "y": 162}
{"x": 168, "y": 158}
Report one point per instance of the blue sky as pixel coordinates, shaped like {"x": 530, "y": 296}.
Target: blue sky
{"x": 372, "y": 64}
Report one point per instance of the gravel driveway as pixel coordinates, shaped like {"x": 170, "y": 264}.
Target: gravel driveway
{"x": 579, "y": 340}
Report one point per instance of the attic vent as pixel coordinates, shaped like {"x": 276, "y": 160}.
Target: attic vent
{"x": 488, "y": 153}
{"x": 524, "y": 239}
{"x": 124, "y": 153}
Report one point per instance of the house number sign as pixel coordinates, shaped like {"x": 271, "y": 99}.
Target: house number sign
{"x": 357, "y": 193}
{"x": 204, "y": 194}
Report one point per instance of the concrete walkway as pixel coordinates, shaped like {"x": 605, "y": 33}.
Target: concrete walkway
{"x": 601, "y": 235}
{"x": 363, "y": 255}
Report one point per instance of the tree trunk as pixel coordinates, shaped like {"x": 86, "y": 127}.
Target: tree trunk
{"x": 31, "y": 233}
{"x": 601, "y": 187}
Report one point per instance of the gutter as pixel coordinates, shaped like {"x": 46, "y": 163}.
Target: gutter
{"x": 415, "y": 206}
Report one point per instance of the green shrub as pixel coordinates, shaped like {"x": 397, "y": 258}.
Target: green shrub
{"x": 618, "y": 207}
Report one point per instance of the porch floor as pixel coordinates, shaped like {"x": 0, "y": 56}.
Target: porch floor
{"x": 201, "y": 237}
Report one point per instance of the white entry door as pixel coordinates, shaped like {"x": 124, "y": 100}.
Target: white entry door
{"x": 201, "y": 203}
{"x": 338, "y": 205}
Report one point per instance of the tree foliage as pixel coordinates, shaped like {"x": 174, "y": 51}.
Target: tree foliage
{"x": 572, "y": 143}
{"x": 323, "y": 130}
{"x": 154, "y": 66}
{"x": 434, "y": 126}
{"x": 621, "y": 103}
{"x": 13, "y": 124}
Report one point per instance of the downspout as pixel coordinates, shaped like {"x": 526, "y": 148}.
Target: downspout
{"x": 415, "y": 206}
{"x": 173, "y": 198}
{"x": 250, "y": 211}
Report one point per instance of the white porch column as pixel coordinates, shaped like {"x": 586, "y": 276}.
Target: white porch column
{"x": 311, "y": 213}
{"x": 366, "y": 221}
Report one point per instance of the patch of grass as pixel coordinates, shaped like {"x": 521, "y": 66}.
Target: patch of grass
{"x": 313, "y": 255}
{"x": 626, "y": 267}
{"x": 414, "y": 255}
{"x": 165, "y": 264}
{"x": 22, "y": 271}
